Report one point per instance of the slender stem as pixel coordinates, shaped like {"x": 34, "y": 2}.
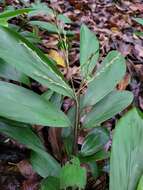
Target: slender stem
{"x": 77, "y": 96}
{"x": 77, "y": 102}
{"x": 76, "y": 128}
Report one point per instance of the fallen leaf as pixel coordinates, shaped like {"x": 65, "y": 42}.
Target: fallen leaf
{"x": 139, "y": 50}
{"x": 25, "y": 169}
{"x": 57, "y": 57}
{"x": 124, "y": 83}
{"x": 139, "y": 71}
{"x": 136, "y": 7}
{"x": 125, "y": 48}
{"x": 30, "y": 185}
{"x": 115, "y": 29}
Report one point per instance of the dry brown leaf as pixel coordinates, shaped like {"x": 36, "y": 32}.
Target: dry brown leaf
{"x": 124, "y": 83}
{"x": 55, "y": 140}
{"x": 125, "y": 48}
{"x": 25, "y": 169}
{"x": 139, "y": 71}
{"x": 137, "y": 7}
{"x": 30, "y": 185}
{"x": 139, "y": 50}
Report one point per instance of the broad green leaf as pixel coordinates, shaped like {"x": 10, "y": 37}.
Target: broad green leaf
{"x": 94, "y": 169}
{"x": 25, "y": 57}
{"x": 9, "y": 72}
{"x": 109, "y": 106}
{"x": 140, "y": 185}
{"x": 20, "y": 104}
{"x": 47, "y": 95}
{"x": 45, "y": 25}
{"x": 101, "y": 155}
{"x": 24, "y": 134}
{"x": 52, "y": 28}
{"x": 19, "y": 131}
{"x": 94, "y": 141}
{"x": 89, "y": 51}
{"x": 138, "y": 33}
{"x": 3, "y": 22}
{"x": 31, "y": 37}
{"x": 73, "y": 175}
{"x": 57, "y": 100}
{"x": 64, "y": 19}
{"x": 107, "y": 77}
{"x": 138, "y": 20}
{"x": 13, "y": 13}
{"x": 72, "y": 114}
{"x": 44, "y": 164}
{"x": 53, "y": 97}
{"x": 50, "y": 183}
{"x": 126, "y": 164}
{"x": 68, "y": 145}
{"x": 42, "y": 9}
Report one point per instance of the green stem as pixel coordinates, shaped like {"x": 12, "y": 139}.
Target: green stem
{"x": 76, "y": 128}
{"x": 77, "y": 96}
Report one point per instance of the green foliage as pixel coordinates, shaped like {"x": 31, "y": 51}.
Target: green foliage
{"x": 28, "y": 59}
{"x": 109, "y": 106}
{"x": 64, "y": 19}
{"x": 40, "y": 8}
{"x": 126, "y": 164}
{"x": 10, "y": 14}
{"x": 89, "y": 51}
{"x": 43, "y": 9}
{"x": 9, "y": 72}
{"x": 20, "y": 104}
{"x": 51, "y": 28}
{"x": 50, "y": 183}
{"x": 45, "y": 164}
{"x": 98, "y": 156}
{"x": 73, "y": 175}
{"x": 140, "y": 185}
{"x": 138, "y": 33}
{"x": 94, "y": 141}
{"x": 110, "y": 73}
{"x": 138, "y": 20}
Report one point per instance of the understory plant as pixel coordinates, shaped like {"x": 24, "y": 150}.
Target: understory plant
{"x": 23, "y": 111}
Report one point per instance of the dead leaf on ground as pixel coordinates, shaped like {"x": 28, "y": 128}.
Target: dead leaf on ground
{"x": 136, "y": 7}
{"x": 30, "y": 185}
{"x": 124, "y": 83}
{"x": 26, "y": 170}
{"x": 139, "y": 50}
{"x": 58, "y": 57}
{"x": 139, "y": 71}
{"x": 125, "y": 48}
